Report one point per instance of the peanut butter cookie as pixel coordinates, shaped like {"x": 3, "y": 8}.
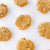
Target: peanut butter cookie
{"x": 21, "y": 2}
{"x": 43, "y": 5}
{"x": 3, "y": 10}
{"x": 5, "y": 34}
{"x": 44, "y": 29}
{"x": 23, "y": 21}
{"x": 25, "y": 44}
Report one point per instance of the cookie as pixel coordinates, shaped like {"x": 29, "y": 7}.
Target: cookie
{"x": 21, "y": 2}
{"x": 23, "y": 21}
{"x": 3, "y": 10}
{"x": 43, "y": 5}
{"x": 5, "y": 34}
{"x": 25, "y": 44}
{"x": 44, "y": 29}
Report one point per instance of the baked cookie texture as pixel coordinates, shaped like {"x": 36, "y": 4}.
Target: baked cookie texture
{"x": 25, "y": 44}
{"x": 44, "y": 29}
{"x": 3, "y": 10}
{"x": 43, "y": 5}
{"x": 5, "y": 34}
{"x": 23, "y": 21}
{"x": 21, "y": 2}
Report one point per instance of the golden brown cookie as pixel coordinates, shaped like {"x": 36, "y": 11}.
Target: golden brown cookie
{"x": 21, "y": 2}
{"x": 3, "y": 10}
{"x": 43, "y": 5}
{"x": 25, "y": 44}
{"x": 5, "y": 34}
{"x": 23, "y": 21}
{"x": 44, "y": 29}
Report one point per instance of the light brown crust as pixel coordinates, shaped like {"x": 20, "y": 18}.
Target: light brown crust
{"x": 5, "y": 34}
{"x": 43, "y": 5}
{"x": 44, "y": 29}
{"x": 21, "y": 2}
{"x": 23, "y": 21}
{"x": 25, "y": 44}
{"x": 3, "y": 10}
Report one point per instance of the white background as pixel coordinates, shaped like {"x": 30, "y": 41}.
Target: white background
{"x": 41, "y": 43}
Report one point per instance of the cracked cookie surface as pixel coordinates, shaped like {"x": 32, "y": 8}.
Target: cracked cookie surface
{"x": 5, "y": 34}
{"x": 43, "y": 5}
{"x": 21, "y": 2}
{"x": 25, "y": 44}
{"x": 23, "y": 21}
{"x": 3, "y": 10}
{"x": 44, "y": 29}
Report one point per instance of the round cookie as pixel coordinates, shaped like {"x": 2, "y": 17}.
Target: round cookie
{"x": 23, "y": 21}
{"x": 43, "y": 5}
{"x": 25, "y": 44}
{"x": 5, "y": 34}
{"x": 3, "y": 10}
{"x": 44, "y": 29}
{"x": 21, "y": 2}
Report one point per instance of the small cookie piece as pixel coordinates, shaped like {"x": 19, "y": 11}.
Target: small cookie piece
{"x": 3, "y": 10}
{"x": 5, "y": 34}
{"x": 21, "y": 2}
{"x": 44, "y": 29}
{"x": 25, "y": 44}
{"x": 23, "y": 21}
{"x": 43, "y": 5}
